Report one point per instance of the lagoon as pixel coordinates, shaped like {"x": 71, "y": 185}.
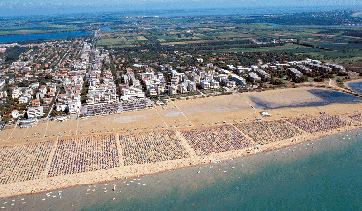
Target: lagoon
{"x": 356, "y": 86}
{"x": 26, "y": 37}
{"x": 322, "y": 97}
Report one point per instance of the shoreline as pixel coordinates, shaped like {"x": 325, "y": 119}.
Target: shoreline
{"x": 346, "y": 84}
{"x": 137, "y": 170}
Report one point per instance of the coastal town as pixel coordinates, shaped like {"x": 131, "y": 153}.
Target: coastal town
{"x": 80, "y": 82}
{"x": 63, "y": 80}
{"x": 135, "y": 95}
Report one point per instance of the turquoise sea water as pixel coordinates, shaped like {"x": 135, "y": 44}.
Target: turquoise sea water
{"x": 322, "y": 174}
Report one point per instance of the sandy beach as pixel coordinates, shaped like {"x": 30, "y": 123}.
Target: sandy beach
{"x": 187, "y": 133}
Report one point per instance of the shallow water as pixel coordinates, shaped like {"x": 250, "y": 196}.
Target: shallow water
{"x": 356, "y": 86}
{"x": 325, "y": 97}
{"x": 321, "y": 174}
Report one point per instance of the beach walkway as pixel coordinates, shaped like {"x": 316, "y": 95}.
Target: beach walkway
{"x": 244, "y": 134}
{"x": 186, "y": 145}
{"x": 160, "y": 117}
{"x": 105, "y": 156}
{"x": 120, "y": 152}
{"x": 47, "y": 167}
{"x": 181, "y": 112}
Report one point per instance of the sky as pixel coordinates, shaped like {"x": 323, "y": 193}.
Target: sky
{"x": 49, "y": 7}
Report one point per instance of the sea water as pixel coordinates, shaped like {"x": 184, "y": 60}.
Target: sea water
{"x": 356, "y": 86}
{"x": 322, "y": 174}
{"x": 325, "y": 97}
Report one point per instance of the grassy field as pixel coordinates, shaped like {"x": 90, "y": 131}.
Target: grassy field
{"x": 141, "y": 38}
{"x": 111, "y": 41}
{"x": 185, "y": 42}
{"x": 325, "y": 43}
{"x": 287, "y": 47}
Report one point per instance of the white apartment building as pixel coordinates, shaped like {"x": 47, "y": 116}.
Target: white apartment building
{"x": 34, "y": 112}
{"x": 132, "y": 92}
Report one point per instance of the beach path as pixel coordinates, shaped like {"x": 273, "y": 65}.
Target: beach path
{"x": 297, "y": 128}
{"x": 184, "y": 143}
{"x": 47, "y": 167}
{"x": 120, "y": 152}
{"x": 246, "y": 136}
{"x": 158, "y": 113}
{"x": 181, "y": 112}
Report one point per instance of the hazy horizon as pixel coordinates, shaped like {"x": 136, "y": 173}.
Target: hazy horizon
{"x": 54, "y": 7}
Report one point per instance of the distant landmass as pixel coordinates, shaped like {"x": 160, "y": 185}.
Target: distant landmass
{"x": 164, "y": 10}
